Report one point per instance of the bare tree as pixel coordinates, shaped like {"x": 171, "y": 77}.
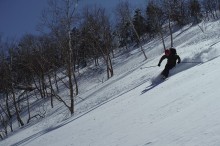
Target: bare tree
{"x": 211, "y": 7}
{"x": 168, "y": 5}
{"x": 124, "y": 31}
{"x": 60, "y": 18}
{"x": 98, "y": 34}
{"x": 195, "y": 10}
{"x": 155, "y": 19}
{"x": 127, "y": 19}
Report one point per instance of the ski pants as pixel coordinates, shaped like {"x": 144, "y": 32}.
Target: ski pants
{"x": 167, "y": 69}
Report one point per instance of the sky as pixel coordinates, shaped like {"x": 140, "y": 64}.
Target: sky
{"x": 18, "y": 17}
{"x": 136, "y": 108}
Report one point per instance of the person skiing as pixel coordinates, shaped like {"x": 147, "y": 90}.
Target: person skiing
{"x": 172, "y": 58}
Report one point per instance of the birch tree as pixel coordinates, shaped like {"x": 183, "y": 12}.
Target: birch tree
{"x": 60, "y": 18}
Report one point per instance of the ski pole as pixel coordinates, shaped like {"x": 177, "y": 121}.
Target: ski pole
{"x": 149, "y": 66}
{"x": 191, "y": 62}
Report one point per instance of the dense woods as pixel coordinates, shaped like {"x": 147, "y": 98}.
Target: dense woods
{"x": 35, "y": 68}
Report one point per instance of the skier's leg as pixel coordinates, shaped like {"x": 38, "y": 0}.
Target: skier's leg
{"x": 165, "y": 72}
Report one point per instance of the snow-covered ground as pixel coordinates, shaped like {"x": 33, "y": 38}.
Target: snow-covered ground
{"x": 128, "y": 110}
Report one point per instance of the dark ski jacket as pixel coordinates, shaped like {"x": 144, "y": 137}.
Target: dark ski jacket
{"x": 171, "y": 59}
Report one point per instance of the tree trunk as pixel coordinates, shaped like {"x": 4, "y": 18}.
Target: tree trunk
{"x": 161, "y": 34}
{"x": 16, "y": 109}
{"x": 28, "y": 105}
{"x": 7, "y": 106}
{"x": 138, "y": 37}
{"x": 171, "y": 33}
{"x": 70, "y": 70}
{"x": 51, "y": 90}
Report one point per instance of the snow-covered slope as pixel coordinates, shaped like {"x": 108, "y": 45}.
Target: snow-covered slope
{"x": 128, "y": 110}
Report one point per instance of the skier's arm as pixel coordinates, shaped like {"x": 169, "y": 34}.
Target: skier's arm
{"x": 161, "y": 59}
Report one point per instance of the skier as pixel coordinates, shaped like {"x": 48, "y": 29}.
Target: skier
{"x": 171, "y": 57}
